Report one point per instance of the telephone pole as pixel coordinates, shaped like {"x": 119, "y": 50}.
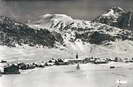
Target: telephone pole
{"x": 77, "y": 67}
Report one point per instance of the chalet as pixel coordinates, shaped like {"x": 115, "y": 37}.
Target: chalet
{"x": 5, "y": 68}
{"x": 127, "y": 60}
{"x": 73, "y": 61}
{"x": 60, "y": 62}
{"x": 100, "y": 61}
{"x": 2, "y": 66}
{"x": 12, "y": 69}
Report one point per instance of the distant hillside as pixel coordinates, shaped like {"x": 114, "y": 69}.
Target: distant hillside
{"x": 13, "y": 33}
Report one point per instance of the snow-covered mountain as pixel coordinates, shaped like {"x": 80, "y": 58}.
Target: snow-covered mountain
{"x": 58, "y": 22}
{"x": 105, "y": 36}
{"x": 89, "y": 32}
{"x": 117, "y": 17}
{"x": 82, "y": 35}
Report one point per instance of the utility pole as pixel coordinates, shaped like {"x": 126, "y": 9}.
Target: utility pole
{"x": 77, "y": 67}
{"x": 130, "y": 18}
{"x": 77, "y": 56}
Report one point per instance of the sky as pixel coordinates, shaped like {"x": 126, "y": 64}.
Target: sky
{"x": 23, "y": 10}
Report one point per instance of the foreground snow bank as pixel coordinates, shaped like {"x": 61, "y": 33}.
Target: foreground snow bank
{"x": 67, "y": 76}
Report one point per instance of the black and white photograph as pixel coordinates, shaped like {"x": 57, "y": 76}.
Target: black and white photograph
{"x": 66, "y": 43}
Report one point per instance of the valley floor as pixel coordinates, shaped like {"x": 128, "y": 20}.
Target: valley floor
{"x": 89, "y": 75}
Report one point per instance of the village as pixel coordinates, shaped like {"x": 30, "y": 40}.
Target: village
{"x": 16, "y": 68}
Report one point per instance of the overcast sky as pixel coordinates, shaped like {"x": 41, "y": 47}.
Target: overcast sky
{"x": 83, "y": 9}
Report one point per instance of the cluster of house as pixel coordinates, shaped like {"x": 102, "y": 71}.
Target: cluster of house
{"x": 6, "y": 68}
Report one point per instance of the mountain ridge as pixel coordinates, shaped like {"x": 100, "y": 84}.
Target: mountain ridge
{"x": 116, "y": 17}
{"x": 62, "y": 32}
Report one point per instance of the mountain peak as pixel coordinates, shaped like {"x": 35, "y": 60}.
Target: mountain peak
{"x": 55, "y": 16}
{"x": 114, "y": 12}
{"x": 52, "y": 20}
{"x": 116, "y": 17}
{"x": 117, "y": 9}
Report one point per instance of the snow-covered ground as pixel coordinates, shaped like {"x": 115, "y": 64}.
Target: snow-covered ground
{"x": 31, "y": 54}
{"x": 89, "y": 75}
{"x": 121, "y": 49}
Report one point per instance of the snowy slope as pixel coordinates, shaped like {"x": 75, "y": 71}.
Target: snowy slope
{"x": 117, "y": 17}
{"x": 87, "y": 38}
{"x": 72, "y": 29}
{"x": 71, "y": 36}
{"x": 58, "y": 21}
